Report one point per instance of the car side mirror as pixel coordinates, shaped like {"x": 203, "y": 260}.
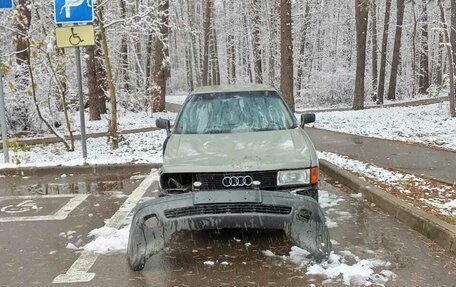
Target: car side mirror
{"x": 307, "y": 119}
{"x": 163, "y": 124}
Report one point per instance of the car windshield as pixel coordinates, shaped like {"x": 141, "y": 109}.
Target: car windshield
{"x": 234, "y": 112}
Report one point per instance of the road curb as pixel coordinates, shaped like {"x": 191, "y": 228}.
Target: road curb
{"x": 86, "y": 169}
{"x": 429, "y": 225}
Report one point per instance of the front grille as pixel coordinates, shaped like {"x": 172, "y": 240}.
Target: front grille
{"x": 268, "y": 179}
{"x": 228, "y": 208}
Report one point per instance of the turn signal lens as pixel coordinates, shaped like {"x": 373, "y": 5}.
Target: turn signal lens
{"x": 314, "y": 175}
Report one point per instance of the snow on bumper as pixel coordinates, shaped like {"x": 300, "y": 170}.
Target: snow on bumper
{"x": 155, "y": 221}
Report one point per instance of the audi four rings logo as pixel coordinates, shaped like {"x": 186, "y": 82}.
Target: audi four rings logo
{"x": 237, "y": 181}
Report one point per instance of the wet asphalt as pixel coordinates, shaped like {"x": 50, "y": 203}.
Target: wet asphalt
{"x": 33, "y": 253}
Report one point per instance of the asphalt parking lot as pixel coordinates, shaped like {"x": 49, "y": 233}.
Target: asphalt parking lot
{"x": 41, "y": 218}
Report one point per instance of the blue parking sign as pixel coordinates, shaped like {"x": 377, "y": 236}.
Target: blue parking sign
{"x": 73, "y": 11}
{"x": 6, "y": 4}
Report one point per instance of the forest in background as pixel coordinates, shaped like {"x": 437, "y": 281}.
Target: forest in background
{"x": 317, "y": 53}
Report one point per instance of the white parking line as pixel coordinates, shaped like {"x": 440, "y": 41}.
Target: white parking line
{"x": 78, "y": 272}
{"x": 61, "y": 214}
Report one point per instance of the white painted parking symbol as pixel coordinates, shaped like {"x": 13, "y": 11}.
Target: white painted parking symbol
{"x": 25, "y": 206}
{"x": 29, "y": 203}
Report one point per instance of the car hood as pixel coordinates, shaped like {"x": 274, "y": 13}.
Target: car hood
{"x": 255, "y": 151}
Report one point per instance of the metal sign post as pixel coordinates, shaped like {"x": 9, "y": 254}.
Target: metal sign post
{"x": 81, "y": 102}
{"x": 3, "y": 118}
{"x": 81, "y": 11}
{"x": 4, "y": 5}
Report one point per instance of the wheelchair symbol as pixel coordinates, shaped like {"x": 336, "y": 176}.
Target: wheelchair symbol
{"x": 25, "y": 206}
{"x": 75, "y": 39}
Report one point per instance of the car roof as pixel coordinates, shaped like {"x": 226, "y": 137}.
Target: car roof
{"x": 231, "y": 88}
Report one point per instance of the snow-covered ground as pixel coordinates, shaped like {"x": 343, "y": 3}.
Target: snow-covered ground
{"x": 127, "y": 120}
{"x": 136, "y": 148}
{"x": 179, "y": 98}
{"x": 434, "y": 197}
{"x": 302, "y": 107}
{"x": 429, "y": 124}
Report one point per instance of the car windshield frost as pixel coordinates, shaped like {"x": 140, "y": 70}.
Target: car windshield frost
{"x": 234, "y": 112}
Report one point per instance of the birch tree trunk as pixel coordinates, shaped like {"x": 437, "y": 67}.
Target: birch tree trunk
{"x": 113, "y": 126}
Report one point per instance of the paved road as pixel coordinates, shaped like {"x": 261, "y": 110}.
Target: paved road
{"x": 414, "y": 159}
{"x": 33, "y": 253}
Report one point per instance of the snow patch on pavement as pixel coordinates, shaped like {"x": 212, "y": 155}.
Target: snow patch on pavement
{"x": 108, "y": 240}
{"x": 328, "y": 200}
{"x": 345, "y": 268}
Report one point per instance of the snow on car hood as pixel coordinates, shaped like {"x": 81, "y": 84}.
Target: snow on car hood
{"x": 254, "y": 151}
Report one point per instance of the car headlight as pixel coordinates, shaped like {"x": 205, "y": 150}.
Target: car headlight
{"x": 293, "y": 177}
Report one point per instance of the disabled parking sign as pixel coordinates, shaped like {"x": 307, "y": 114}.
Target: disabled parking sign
{"x": 73, "y": 11}
{"x": 6, "y": 4}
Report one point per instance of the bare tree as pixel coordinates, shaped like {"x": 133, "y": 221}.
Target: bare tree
{"x": 91, "y": 74}
{"x": 381, "y": 80}
{"x": 102, "y": 83}
{"x": 231, "y": 60}
{"x": 396, "y": 50}
{"x": 453, "y": 37}
{"x": 423, "y": 78}
{"x": 450, "y": 53}
{"x": 286, "y": 49}
{"x": 214, "y": 57}
{"x": 257, "y": 50}
{"x": 161, "y": 57}
{"x": 302, "y": 49}
{"x": 23, "y": 19}
{"x": 207, "y": 36}
{"x": 124, "y": 49}
{"x": 361, "y": 15}
{"x": 374, "y": 50}
{"x": 113, "y": 132}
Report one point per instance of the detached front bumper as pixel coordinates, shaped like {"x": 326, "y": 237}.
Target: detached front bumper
{"x": 155, "y": 221}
